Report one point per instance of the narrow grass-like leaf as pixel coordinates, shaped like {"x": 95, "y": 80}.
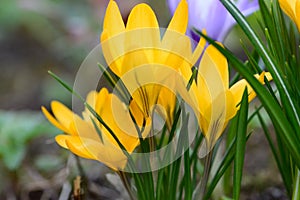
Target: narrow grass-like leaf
{"x": 240, "y": 146}
{"x": 227, "y": 182}
{"x": 162, "y": 137}
{"x": 159, "y": 184}
{"x": 228, "y": 156}
{"x": 270, "y": 104}
{"x": 108, "y": 76}
{"x": 97, "y": 129}
{"x": 175, "y": 169}
{"x": 99, "y": 118}
{"x": 138, "y": 181}
{"x": 117, "y": 85}
{"x": 267, "y": 58}
{"x": 194, "y": 157}
{"x": 275, "y": 42}
{"x": 285, "y": 159}
{"x": 253, "y": 64}
{"x": 95, "y": 114}
{"x": 187, "y": 163}
{"x": 178, "y": 111}
{"x": 274, "y": 150}
{"x": 65, "y": 85}
{"x": 296, "y": 190}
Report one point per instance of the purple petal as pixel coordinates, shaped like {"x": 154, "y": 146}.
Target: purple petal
{"x": 194, "y": 35}
{"x": 215, "y": 20}
{"x": 247, "y": 7}
{"x": 208, "y": 15}
{"x": 213, "y": 16}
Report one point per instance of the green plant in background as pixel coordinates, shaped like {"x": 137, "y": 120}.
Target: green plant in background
{"x": 17, "y": 130}
{"x": 13, "y": 142}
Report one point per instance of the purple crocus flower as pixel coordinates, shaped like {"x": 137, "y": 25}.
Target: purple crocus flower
{"x": 212, "y": 16}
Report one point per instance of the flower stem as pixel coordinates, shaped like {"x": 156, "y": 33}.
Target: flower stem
{"x": 201, "y": 186}
{"x": 126, "y": 184}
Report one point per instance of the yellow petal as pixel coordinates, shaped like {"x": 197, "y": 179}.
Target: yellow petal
{"x": 101, "y": 99}
{"x": 219, "y": 61}
{"x": 63, "y": 114}
{"x": 142, "y": 31}
{"x": 213, "y": 68}
{"x": 53, "y": 121}
{"x": 85, "y": 129}
{"x": 217, "y": 114}
{"x": 191, "y": 96}
{"x": 199, "y": 48}
{"x": 292, "y": 9}
{"x": 140, "y": 118}
{"x": 176, "y": 53}
{"x": 203, "y": 94}
{"x": 176, "y": 43}
{"x": 288, "y": 7}
{"x": 167, "y": 101}
{"x": 230, "y": 106}
{"x": 106, "y": 153}
{"x": 90, "y": 100}
{"x": 202, "y": 41}
{"x": 179, "y": 20}
{"x": 113, "y": 23}
{"x": 62, "y": 140}
{"x": 297, "y": 13}
{"x": 132, "y": 60}
{"x": 116, "y": 115}
{"x": 211, "y": 86}
{"x": 141, "y": 16}
{"x": 113, "y": 49}
{"x": 238, "y": 88}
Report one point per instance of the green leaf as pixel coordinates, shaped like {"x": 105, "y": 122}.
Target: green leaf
{"x": 240, "y": 146}
{"x": 296, "y": 191}
{"x": 187, "y": 163}
{"x": 97, "y": 129}
{"x": 228, "y": 156}
{"x": 17, "y": 129}
{"x": 13, "y": 156}
{"x": 270, "y": 104}
{"x": 284, "y": 173}
{"x": 268, "y": 60}
{"x": 65, "y": 85}
{"x": 117, "y": 85}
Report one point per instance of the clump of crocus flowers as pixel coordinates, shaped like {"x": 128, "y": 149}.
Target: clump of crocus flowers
{"x": 155, "y": 68}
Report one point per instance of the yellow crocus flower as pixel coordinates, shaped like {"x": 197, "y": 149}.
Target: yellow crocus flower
{"x": 82, "y": 137}
{"x": 292, "y": 9}
{"x": 212, "y": 100}
{"x": 138, "y": 54}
